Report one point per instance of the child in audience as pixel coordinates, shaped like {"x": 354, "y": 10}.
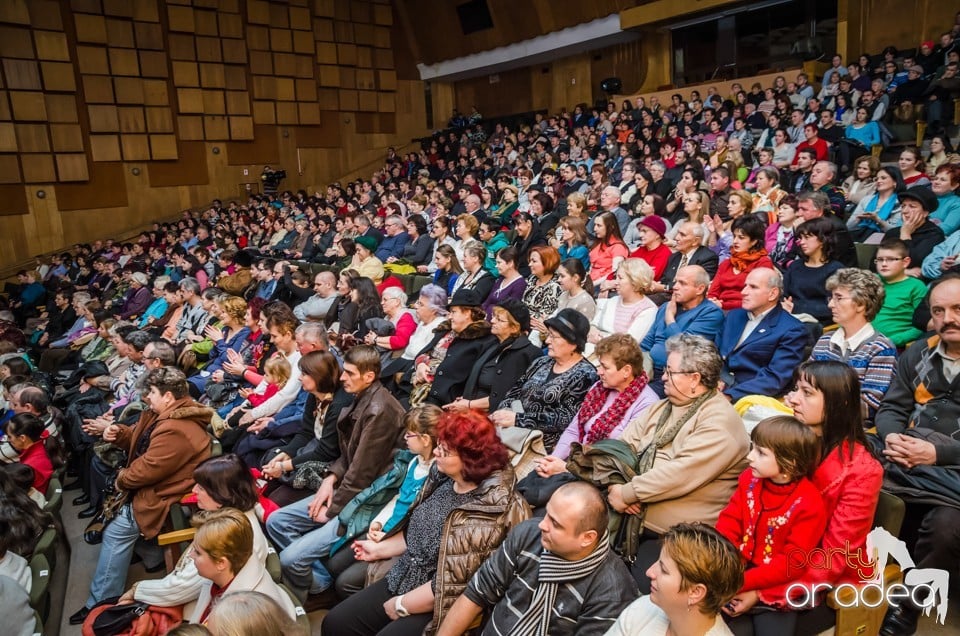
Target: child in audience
{"x": 902, "y": 293}
{"x": 276, "y": 372}
{"x": 406, "y": 481}
{"x": 775, "y": 512}
{"x": 24, "y": 476}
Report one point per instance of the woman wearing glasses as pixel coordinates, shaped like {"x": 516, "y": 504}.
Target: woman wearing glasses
{"x": 549, "y": 393}
{"x": 856, "y": 296}
{"x": 692, "y": 448}
{"x": 468, "y": 505}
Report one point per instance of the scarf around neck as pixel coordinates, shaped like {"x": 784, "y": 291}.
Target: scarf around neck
{"x": 742, "y": 261}
{"x": 608, "y": 420}
{"x": 555, "y": 571}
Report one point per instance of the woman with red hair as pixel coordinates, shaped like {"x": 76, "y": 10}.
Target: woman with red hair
{"x": 468, "y": 505}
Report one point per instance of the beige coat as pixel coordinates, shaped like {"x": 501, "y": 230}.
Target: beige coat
{"x": 693, "y": 477}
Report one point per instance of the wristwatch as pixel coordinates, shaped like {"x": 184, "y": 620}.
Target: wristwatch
{"x": 400, "y": 609}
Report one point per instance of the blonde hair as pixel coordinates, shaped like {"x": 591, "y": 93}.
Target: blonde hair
{"x": 277, "y": 367}
{"x": 235, "y": 307}
{"x": 746, "y": 200}
{"x": 639, "y": 273}
{"x": 704, "y": 556}
{"x": 704, "y": 204}
{"x": 226, "y": 534}
{"x": 470, "y": 222}
{"x": 245, "y": 613}
{"x": 579, "y": 200}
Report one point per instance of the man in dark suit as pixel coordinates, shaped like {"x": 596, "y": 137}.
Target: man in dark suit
{"x": 761, "y": 344}
{"x": 690, "y": 251}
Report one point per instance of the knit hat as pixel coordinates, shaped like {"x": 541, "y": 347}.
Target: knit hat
{"x": 140, "y": 278}
{"x": 367, "y": 242}
{"x": 655, "y": 223}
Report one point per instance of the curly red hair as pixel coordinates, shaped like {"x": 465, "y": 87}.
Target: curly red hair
{"x": 473, "y": 437}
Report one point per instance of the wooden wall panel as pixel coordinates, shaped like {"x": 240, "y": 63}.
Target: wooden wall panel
{"x": 82, "y": 98}
{"x": 134, "y": 147}
{"x": 100, "y": 191}
{"x": 72, "y": 167}
{"x": 38, "y": 168}
{"x": 28, "y": 106}
{"x": 8, "y": 138}
{"x": 190, "y": 168}
{"x": 32, "y": 138}
{"x": 10, "y": 170}
{"x": 22, "y": 74}
{"x": 50, "y": 46}
{"x": 66, "y": 137}
{"x": 60, "y": 108}
{"x": 58, "y": 77}
{"x": 105, "y": 147}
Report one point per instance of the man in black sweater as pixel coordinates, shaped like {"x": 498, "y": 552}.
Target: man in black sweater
{"x": 917, "y": 423}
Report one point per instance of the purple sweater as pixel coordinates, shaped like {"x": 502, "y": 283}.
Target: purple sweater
{"x": 497, "y": 295}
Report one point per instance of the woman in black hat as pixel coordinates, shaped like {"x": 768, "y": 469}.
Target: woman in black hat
{"x": 549, "y": 393}
{"x": 442, "y": 367}
{"x": 498, "y": 368}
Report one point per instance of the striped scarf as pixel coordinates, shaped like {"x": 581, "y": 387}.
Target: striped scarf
{"x": 553, "y": 572}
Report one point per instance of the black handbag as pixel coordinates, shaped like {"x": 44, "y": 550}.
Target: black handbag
{"x": 117, "y": 619}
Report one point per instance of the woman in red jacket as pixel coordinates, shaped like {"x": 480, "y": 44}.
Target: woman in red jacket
{"x": 653, "y": 231}
{"x": 848, "y": 478}
{"x": 26, "y": 433}
{"x": 747, "y": 252}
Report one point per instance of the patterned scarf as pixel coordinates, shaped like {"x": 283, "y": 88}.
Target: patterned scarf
{"x": 608, "y": 420}
{"x": 554, "y": 572}
{"x": 662, "y": 436}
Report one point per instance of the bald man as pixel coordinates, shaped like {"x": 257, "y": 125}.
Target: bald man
{"x": 559, "y": 571}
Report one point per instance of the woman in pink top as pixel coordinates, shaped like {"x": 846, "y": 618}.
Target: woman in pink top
{"x": 609, "y": 250}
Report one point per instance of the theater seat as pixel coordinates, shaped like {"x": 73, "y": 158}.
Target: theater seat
{"x": 861, "y": 620}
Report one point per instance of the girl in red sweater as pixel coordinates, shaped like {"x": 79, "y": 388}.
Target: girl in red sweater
{"x": 38, "y": 449}
{"x": 775, "y": 517}
{"x": 276, "y": 372}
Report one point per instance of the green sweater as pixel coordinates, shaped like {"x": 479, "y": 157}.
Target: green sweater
{"x": 895, "y": 319}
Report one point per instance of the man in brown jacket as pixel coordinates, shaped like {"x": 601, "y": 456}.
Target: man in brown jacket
{"x": 369, "y": 431}
{"x": 163, "y": 448}
{"x": 237, "y": 282}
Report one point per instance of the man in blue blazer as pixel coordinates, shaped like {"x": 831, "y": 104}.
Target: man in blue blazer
{"x": 761, "y": 344}
{"x": 688, "y": 311}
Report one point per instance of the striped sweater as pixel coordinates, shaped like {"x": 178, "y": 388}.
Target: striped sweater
{"x": 875, "y": 361}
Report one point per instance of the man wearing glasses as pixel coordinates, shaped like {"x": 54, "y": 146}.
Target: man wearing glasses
{"x": 395, "y": 240}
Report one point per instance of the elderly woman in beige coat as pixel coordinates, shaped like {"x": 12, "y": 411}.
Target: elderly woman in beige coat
{"x": 692, "y": 448}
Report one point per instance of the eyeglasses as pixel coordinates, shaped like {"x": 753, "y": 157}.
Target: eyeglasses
{"x": 443, "y": 451}
{"x": 887, "y": 259}
{"x": 669, "y": 373}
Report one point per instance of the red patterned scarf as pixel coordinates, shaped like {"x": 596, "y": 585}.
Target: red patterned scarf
{"x": 608, "y": 420}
